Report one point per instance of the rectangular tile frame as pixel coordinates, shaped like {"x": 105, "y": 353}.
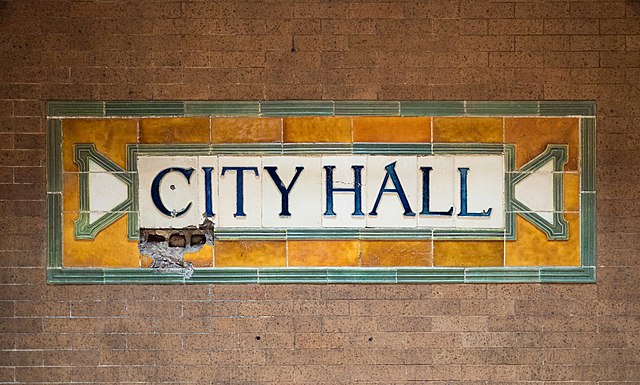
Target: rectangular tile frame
{"x": 584, "y": 110}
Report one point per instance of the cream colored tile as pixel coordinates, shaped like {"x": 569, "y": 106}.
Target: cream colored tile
{"x": 178, "y": 193}
{"x": 391, "y": 210}
{"x": 344, "y": 201}
{"x": 240, "y": 204}
{"x": 304, "y": 196}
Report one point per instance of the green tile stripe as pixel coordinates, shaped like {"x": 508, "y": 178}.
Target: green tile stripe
{"x": 293, "y": 275}
{"x": 432, "y": 108}
{"x": 430, "y": 275}
{"x": 144, "y": 108}
{"x": 568, "y": 275}
{"x": 222, "y": 109}
{"x": 567, "y": 108}
{"x": 489, "y": 108}
{"x": 367, "y": 108}
{"x": 224, "y": 275}
{"x": 588, "y": 154}
{"x": 54, "y": 156}
{"x": 75, "y": 108}
{"x": 54, "y": 230}
{"x": 406, "y": 108}
{"x": 588, "y": 232}
{"x": 362, "y": 275}
{"x": 297, "y": 108}
{"x": 501, "y": 275}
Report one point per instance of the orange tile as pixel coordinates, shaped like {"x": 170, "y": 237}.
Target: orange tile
{"x": 571, "y": 192}
{"x": 468, "y": 253}
{"x": 110, "y": 248}
{"x": 250, "y": 253}
{"x": 174, "y": 130}
{"x": 531, "y": 247}
{"x": 70, "y": 196}
{"x": 392, "y": 129}
{"x": 396, "y": 253}
{"x": 314, "y": 130}
{"x": 202, "y": 257}
{"x": 467, "y": 130}
{"x": 246, "y": 130}
{"x": 532, "y": 135}
{"x": 323, "y": 253}
{"x": 109, "y": 135}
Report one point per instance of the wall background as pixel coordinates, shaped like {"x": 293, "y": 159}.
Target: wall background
{"x": 249, "y": 50}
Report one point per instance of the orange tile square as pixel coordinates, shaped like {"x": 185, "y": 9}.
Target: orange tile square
{"x": 532, "y": 135}
{"x": 571, "y": 192}
{"x": 468, "y": 130}
{"x": 468, "y": 253}
{"x": 396, "y": 253}
{"x": 392, "y": 129}
{"x": 246, "y": 130}
{"x": 250, "y": 253}
{"x": 317, "y": 129}
{"x": 323, "y": 253}
{"x": 109, "y": 135}
{"x": 110, "y": 248}
{"x": 175, "y": 130}
{"x": 70, "y": 188}
{"x": 202, "y": 257}
{"x": 531, "y": 247}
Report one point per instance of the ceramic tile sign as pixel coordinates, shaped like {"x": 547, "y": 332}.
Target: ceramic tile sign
{"x": 321, "y": 192}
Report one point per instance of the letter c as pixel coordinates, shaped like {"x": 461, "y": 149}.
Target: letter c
{"x": 155, "y": 190}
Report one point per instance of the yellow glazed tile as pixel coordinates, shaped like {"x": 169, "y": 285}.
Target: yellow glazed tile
{"x": 467, "y": 130}
{"x": 531, "y": 247}
{"x": 202, "y": 257}
{"x": 174, "y": 130}
{"x": 571, "y": 192}
{"x": 396, "y": 253}
{"x": 532, "y": 135}
{"x": 392, "y": 129}
{"x": 246, "y": 130}
{"x": 110, "y": 248}
{"x": 468, "y": 253}
{"x": 70, "y": 196}
{"x": 109, "y": 135}
{"x": 250, "y": 253}
{"x": 323, "y": 253}
{"x": 314, "y": 130}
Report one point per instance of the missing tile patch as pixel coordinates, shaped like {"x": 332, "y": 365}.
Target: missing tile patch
{"x": 166, "y": 247}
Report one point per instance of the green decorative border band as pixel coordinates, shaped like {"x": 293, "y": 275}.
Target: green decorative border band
{"x": 73, "y": 109}
{"x": 585, "y": 110}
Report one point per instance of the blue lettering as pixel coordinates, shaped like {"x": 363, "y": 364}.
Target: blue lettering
{"x": 426, "y": 193}
{"x": 155, "y": 190}
{"x": 240, "y": 187}
{"x": 463, "y": 197}
{"x": 356, "y": 190}
{"x": 391, "y": 173}
{"x": 284, "y": 190}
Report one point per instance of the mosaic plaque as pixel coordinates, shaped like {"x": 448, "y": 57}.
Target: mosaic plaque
{"x": 321, "y": 192}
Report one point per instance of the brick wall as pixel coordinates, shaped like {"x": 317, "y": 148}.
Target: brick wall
{"x": 466, "y": 50}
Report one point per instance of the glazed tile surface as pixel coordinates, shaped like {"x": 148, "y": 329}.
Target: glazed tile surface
{"x": 325, "y": 185}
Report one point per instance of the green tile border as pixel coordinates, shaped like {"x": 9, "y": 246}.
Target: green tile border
{"x": 234, "y": 108}
{"x": 56, "y": 110}
{"x": 54, "y": 156}
{"x": 75, "y": 109}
